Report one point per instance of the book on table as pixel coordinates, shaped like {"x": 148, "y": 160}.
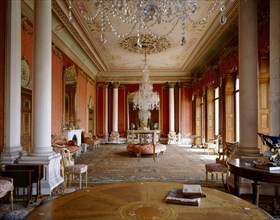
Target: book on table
{"x": 192, "y": 191}
{"x": 268, "y": 166}
{"x": 176, "y": 196}
{"x": 189, "y": 194}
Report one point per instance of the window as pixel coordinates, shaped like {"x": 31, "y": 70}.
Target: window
{"x": 237, "y": 118}
{"x": 216, "y": 110}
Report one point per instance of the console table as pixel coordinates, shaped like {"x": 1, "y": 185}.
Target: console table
{"x": 146, "y": 200}
{"x": 133, "y": 133}
{"x": 140, "y": 134}
{"x": 243, "y": 167}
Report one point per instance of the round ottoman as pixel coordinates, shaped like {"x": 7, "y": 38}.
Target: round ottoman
{"x": 145, "y": 149}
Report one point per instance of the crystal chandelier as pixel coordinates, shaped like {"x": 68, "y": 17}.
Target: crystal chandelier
{"x": 144, "y": 115}
{"x": 145, "y": 15}
{"x": 145, "y": 99}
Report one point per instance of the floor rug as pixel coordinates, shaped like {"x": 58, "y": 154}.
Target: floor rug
{"x": 113, "y": 163}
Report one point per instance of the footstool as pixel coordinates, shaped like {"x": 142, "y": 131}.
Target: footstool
{"x": 145, "y": 149}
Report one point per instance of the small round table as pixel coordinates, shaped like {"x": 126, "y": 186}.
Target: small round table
{"x": 136, "y": 200}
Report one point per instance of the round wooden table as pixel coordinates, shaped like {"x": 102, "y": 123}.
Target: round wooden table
{"x": 243, "y": 167}
{"x": 136, "y": 200}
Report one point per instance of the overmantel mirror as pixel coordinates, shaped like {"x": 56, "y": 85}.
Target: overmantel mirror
{"x": 134, "y": 116}
{"x": 70, "y": 80}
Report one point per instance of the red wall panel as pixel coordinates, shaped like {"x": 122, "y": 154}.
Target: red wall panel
{"x": 81, "y": 107}
{"x": 164, "y": 111}
{"x": 57, "y": 95}
{"x": 122, "y": 111}
{"x": 186, "y": 111}
{"x": 100, "y": 110}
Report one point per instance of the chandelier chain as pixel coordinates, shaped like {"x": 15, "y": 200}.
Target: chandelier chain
{"x": 147, "y": 14}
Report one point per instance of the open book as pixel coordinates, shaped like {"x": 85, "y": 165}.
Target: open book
{"x": 192, "y": 191}
{"x": 176, "y": 196}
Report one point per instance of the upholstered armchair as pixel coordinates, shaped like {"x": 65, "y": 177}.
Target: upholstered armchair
{"x": 114, "y": 137}
{"x": 212, "y": 144}
{"x": 91, "y": 140}
{"x": 70, "y": 168}
{"x": 7, "y": 187}
{"x": 172, "y": 137}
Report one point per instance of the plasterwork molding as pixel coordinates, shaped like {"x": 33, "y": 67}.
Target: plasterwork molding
{"x": 70, "y": 73}
{"x": 212, "y": 35}
{"x": 149, "y": 44}
{"x": 59, "y": 12}
{"x": 26, "y": 81}
{"x": 56, "y": 52}
{"x": 26, "y": 27}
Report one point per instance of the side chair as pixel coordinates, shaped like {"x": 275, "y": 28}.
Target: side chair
{"x": 221, "y": 164}
{"x": 70, "y": 168}
{"x": 7, "y": 187}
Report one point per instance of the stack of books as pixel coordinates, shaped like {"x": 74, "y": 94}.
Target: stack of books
{"x": 190, "y": 194}
{"x": 268, "y": 166}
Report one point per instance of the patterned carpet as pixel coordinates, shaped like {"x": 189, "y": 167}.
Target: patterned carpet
{"x": 112, "y": 163}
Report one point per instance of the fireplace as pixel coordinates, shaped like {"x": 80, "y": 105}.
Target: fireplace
{"x": 75, "y": 134}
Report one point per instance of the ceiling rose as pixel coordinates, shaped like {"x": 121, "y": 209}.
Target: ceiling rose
{"x": 149, "y": 44}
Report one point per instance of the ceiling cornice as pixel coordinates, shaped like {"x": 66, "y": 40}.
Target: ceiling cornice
{"x": 138, "y": 79}
{"x": 61, "y": 9}
{"x": 210, "y": 37}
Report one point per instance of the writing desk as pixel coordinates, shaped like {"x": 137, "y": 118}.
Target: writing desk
{"x": 36, "y": 176}
{"x": 136, "y": 200}
{"x": 243, "y": 167}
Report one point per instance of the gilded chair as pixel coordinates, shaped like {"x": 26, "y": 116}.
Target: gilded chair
{"x": 213, "y": 145}
{"x": 91, "y": 140}
{"x": 172, "y": 137}
{"x": 70, "y": 168}
{"x": 221, "y": 164}
{"x": 114, "y": 137}
{"x": 7, "y": 187}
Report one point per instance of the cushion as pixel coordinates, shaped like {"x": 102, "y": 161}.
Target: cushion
{"x": 146, "y": 148}
{"x": 78, "y": 168}
{"x": 5, "y": 185}
{"x": 215, "y": 167}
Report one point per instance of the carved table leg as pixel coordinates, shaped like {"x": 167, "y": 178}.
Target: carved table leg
{"x": 256, "y": 192}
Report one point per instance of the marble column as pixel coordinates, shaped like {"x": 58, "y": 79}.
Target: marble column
{"x": 180, "y": 114}
{"x": 41, "y": 150}
{"x": 106, "y": 114}
{"x": 248, "y": 75}
{"x": 115, "y": 106}
{"x": 12, "y": 149}
{"x": 171, "y": 106}
{"x": 274, "y": 67}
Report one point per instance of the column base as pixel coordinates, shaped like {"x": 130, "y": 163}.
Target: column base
{"x": 248, "y": 151}
{"x": 52, "y": 177}
{"x": 9, "y": 157}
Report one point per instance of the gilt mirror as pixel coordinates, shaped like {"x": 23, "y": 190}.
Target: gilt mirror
{"x": 70, "y": 97}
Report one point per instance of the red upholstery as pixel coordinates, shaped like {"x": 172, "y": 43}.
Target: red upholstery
{"x": 215, "y": 167}
{"x": 146, "y": 148}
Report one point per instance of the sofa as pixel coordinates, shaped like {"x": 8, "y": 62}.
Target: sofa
{"x": 60, "y": 141}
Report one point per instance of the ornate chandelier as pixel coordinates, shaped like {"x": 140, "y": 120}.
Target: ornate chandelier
{"x": 145, "y": 99}
{"x": 142, "y": 16}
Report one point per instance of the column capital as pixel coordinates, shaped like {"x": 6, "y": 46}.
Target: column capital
{"x": 115, "y": 84}
{"x": 171, "y": 84}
